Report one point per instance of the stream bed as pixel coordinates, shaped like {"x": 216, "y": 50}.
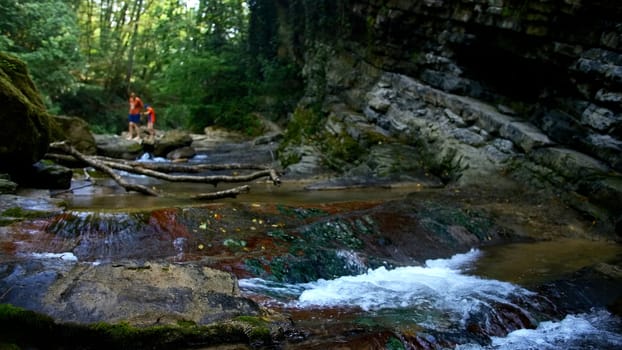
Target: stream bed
{"x": 450, "y": 303}
{"x": 397, "y": 267}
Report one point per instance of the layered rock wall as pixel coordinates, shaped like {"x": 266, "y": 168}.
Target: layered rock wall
{"x": 558, "y": 64}
{"x": 480, "y": 87}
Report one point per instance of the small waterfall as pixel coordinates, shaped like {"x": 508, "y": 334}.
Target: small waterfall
{"x": 108, "y": 236}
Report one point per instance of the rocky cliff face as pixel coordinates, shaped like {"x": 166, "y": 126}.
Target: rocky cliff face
{"x": 532, "y": 88}
{"x": 558, "y": 64}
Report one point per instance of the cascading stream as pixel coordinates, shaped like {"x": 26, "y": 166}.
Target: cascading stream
{"x": 441, "y": 300}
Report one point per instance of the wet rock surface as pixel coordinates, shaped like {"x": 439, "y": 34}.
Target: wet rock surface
{"x": 144, "y": 294}
{"x": 165, "y": 265}
{"x": 117, "y": 252}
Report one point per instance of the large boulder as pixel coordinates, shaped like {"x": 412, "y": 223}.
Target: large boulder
{"x": 76, "y": 131}
{"x": 115, "y": 146}
{"x": 170, "y": 141}
{"x": 141, "y": 293}
{"x": 25, "y": 131}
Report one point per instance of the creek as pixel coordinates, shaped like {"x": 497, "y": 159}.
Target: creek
{"x": 499, "y": 296}
{"x": 432, "y": 306}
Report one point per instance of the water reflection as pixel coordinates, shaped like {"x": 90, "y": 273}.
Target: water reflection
{"x": 178, "y": 194}
{"x": 535, "y": 263}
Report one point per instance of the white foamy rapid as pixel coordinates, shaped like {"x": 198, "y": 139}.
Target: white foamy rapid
{"x": 574, "y": 332}
{"x": 440, "y": 295}
{"x": 438, "y": 285}
{"x": 147, "y": 157}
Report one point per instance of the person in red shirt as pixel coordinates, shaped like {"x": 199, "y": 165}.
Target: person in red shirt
{"x": 151, "y": 117}
{"x": 136, "y": 107}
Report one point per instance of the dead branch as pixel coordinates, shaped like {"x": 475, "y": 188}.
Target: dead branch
{"x": 212, "y": 179}
{"x": 160, "y": 171}
{"x": 183, "y": 168}
{"x": 64, "y": 159}
{"x": 66, "y": 148}
{"x": 230, "y": 193}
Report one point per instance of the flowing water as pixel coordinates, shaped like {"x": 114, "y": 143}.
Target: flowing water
{"x": 443, "y": 302}
{"x": 178, "y": 194}
{"x": 480, "y": 299}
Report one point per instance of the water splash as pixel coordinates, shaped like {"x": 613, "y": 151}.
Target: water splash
{"x": 574, "y": 332}
{"x": 439, "y": 285}
{"x": 443, "y": 299}
{"x": 148, "y": 157}
{"x": 199, "y": 157}
{"x": 352, "y": 260}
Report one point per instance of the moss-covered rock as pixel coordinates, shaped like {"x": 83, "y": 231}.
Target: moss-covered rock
{"x": 7, "y": 186}
{"x": 20, "y": 328}
{"x": 76, "y": 131}
{"x": 25, "y": 132}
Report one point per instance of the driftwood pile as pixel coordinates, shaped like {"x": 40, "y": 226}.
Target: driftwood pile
{"x": 163, "y": 171}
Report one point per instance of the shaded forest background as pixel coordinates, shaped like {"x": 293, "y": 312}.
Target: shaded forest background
{"x": 198, "y": 62}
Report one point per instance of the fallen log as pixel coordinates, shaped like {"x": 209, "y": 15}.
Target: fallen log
{"x": 183, "y": 168}
{"x": 162, "y": 170}
{"x": 66, "y": 148}
{"x": 211, "y": 179}
{"x": 108, "y": 165}
{"x": 230, "y": 193}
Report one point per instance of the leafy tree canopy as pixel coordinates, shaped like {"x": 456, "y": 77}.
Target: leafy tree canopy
{"x": 45, "y": 35}
{"x": 198, "y": 62}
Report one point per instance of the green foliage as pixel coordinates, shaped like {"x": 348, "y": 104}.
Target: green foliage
{"x": 305, "y": 123}
{"x": 216, "y": 64}
{"x": 278, "y": 87}
{"x": 263, "y": 29}
{"x": 44, "y": 34}
{"x": 317, "y": 19}
{"x": 394, "y": 344}
{"x": 340, "y": 148}
{"x": 16, "y": 212}
{"x": 105, "y": 112}
{"x": 277, "y": 82}
{"x": 207, "y": 89}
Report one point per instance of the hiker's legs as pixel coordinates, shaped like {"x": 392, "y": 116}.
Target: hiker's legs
{"x": 134, "y": 120}
{"x": 151, "y": 130}
{"x": 137, "y": 130}
{"x": 130, "y": 129}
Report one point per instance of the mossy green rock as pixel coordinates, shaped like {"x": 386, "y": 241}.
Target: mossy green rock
{"x": 7, "y": 186}
{"x": 76, "y": 131}
{"x": 25, "y": 134}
